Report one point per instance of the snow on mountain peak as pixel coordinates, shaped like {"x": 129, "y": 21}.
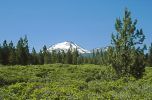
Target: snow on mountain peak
{"x": 65, "y": 46}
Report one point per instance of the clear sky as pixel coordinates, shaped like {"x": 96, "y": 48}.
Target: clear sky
{"x": 88, "y": 23}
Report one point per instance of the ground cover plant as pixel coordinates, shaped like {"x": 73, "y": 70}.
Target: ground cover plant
{"x": 64, "y": 81}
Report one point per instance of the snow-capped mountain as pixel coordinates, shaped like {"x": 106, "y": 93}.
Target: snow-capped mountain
{"x": 65, "y": 46}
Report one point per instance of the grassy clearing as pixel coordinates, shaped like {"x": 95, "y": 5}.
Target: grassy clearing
{"x": 62, "y": 81}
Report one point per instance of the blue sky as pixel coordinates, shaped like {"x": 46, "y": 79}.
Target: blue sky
{"x": 88, "y": 23}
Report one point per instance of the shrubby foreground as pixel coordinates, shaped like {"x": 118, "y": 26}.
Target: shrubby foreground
{"x": 64, "y": 81}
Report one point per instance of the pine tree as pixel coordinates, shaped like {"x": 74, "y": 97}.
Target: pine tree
{"x": 124, "y": 42}
{"x": 34, "y": 57}
{"x": 41, "y": 57}
{"x": 80, "y": 59}
{"x": 89, "y": 60}
{"x": 138, "y": 66}
{"x": 0, "y": 54}
{"x": 106, "y": 56}
{"x": 46, "y": 55}
{"x": 54, "y": 56}
{"x": 63, "y": 57}
{"x": 68, "y": 59}
{"x": 150, "y": 56}
{"x": 75, "y": 55}
{"x": 5, "y": 53}
{"x": 26, "y": 51}
{"x": 12, "y": 54}
{"x": 59, "y": 57}
{"x": 86, "y": 60}
{"x": 22, "y": 51}
{"x": 93, "y": 57}
{"x": 19, "y": 51}
{"x": 97, "y": 57}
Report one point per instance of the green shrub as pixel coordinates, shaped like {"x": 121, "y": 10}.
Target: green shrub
{"x": 84, "y": 82}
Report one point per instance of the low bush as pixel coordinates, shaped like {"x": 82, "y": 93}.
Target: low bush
{"x": 56, "y": 82}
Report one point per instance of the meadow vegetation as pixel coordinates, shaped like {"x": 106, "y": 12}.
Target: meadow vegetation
{"x": 65, "y": 81}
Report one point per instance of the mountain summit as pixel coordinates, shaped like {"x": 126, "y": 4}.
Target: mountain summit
{"x": 65, "y": 46}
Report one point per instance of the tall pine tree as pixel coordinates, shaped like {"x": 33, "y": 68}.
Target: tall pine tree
{"x": 75, "y": 56}
{"x": 126, "y": 39}
{"x": 22, "y": 51}
{"x": 12, "y": 54}
{"x": 34, "y": 57}
{"x": 150, "y": 56}
{"x": 5, "y": 53}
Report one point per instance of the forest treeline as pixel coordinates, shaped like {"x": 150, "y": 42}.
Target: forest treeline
{"x": 20, "y": 55}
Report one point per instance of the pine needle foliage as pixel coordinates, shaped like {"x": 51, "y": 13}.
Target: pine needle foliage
{"x": 127, "y": 57}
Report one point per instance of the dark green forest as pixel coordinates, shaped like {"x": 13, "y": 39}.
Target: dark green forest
{"x": 20, "y": 55}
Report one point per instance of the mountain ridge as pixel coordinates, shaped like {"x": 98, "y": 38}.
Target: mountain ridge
{"x": 65, "y": 46}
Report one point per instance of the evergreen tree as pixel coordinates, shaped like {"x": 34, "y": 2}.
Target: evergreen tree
{"x": 150, "y": 56}
{"x": 34, "y": 57}
{"x": 54, "y": 56}
{"x": 68, "y": 59}
{"x": 147, "y": 59}
{"x": 26, "y": 51}
{"x": 75, "y": 55}
{"x": 124, "y": 42}
{"x": 86, "y": 60}
{"x": 19, "y": 51}
{"x": 89, "y": 60}
{"x": 63, "y": 57}
{"x": 80, "y": 59}
{"x": 46, "y": 55}
{"x": 12, "y": 54}
{"x": 41, "y": 57}
{"x": 138, "y": 66}
{"x": 1, "y": 54}
{"x": 97, "y": 57}
{"x": 59, "y": 57}
{"x": 22, "y": 51}
{"x": 106, "y": 56}
{"x": 5, "y": 53}
{"x": 93, "y": 57}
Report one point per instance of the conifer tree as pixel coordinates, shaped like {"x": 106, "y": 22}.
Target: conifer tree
{"x": 40, "y": 58}
{"x": 59, "y": 57}
{"x": 54, "y": 56}
{"x": 126, "y": 39}
{"x": 93, "y": 57}
{"x": 97, "y": 57}
{"x": 46, "y": 55}
{"x": 68, "y": 59}
{"x": 34, "y": 57}
{"x": 1, "y": 54}
{"x": 19, "y": 51}
{"x": 26, "y": 50}
{"x": 75, "y": 55}
{"x": 80, "y": 60}
{"x": 63, "y": 57}
{"x": 12, "y": 54}
{"x": 22, "y": 51}
{"x": 150, "y": 55}
{"x": 5, "y": 53}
